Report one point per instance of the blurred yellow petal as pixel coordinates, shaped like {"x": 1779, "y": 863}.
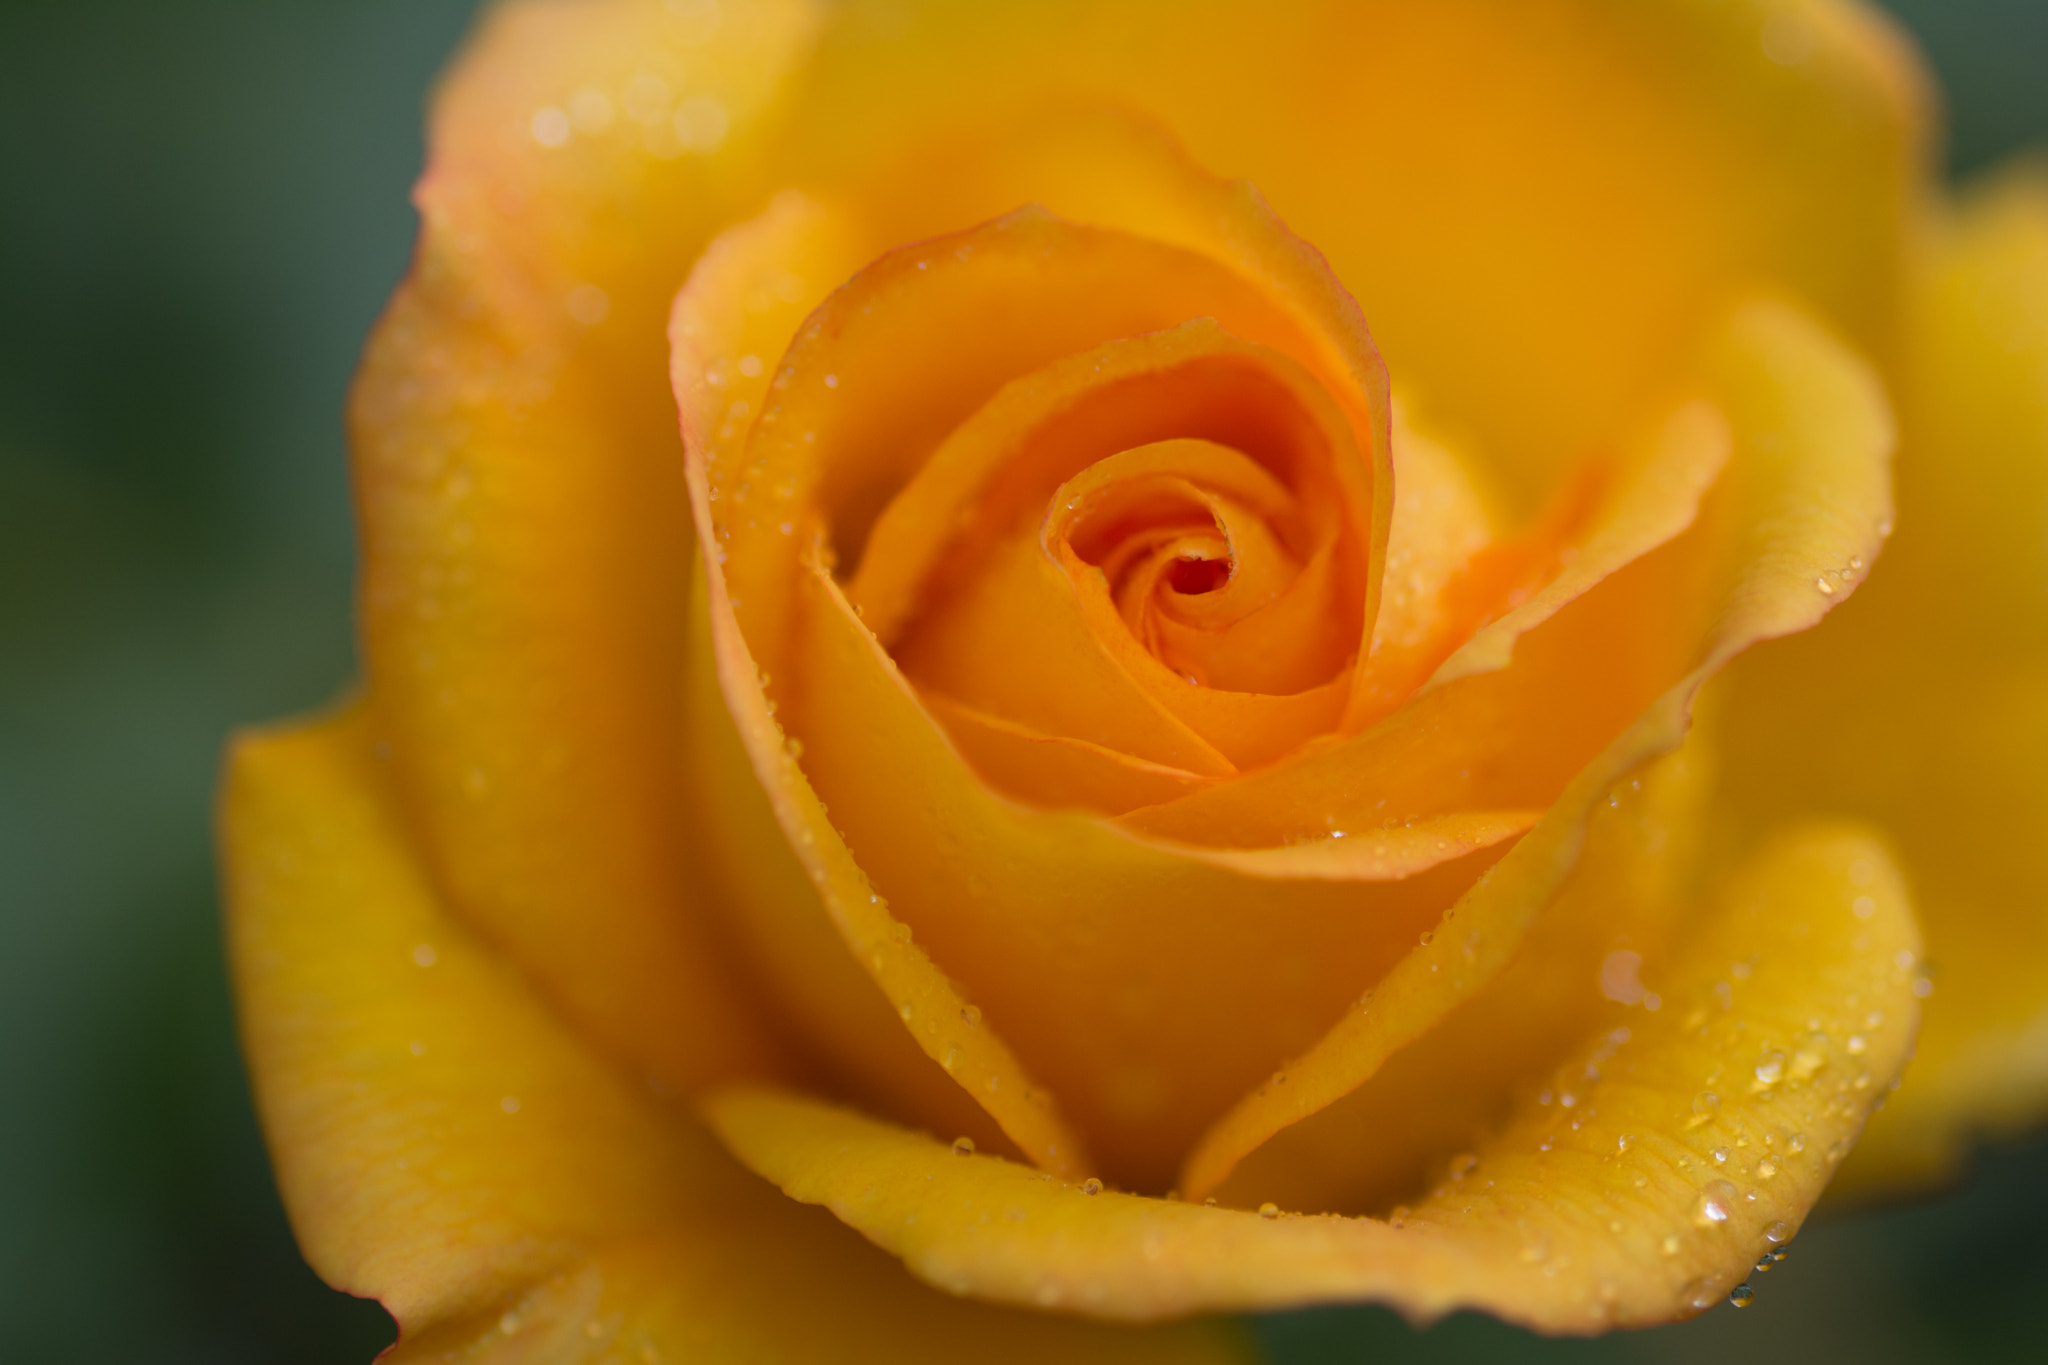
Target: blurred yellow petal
{"x": 1695, "y": 1141}
{"x": 1806, "y": 493}
{"x": 446, "y": 1146}
{"x": 1537, "y": 202}
{"x": 526, "y": 547}
{"x": 1925, "y": 706}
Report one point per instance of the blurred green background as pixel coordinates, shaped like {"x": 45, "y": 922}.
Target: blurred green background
{"x": 202, "y": 207}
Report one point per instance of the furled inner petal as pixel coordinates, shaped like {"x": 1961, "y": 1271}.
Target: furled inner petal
{"x": 1092, "y": 477}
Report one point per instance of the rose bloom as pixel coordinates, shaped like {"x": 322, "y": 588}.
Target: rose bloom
{"x": 1098, "y": 638}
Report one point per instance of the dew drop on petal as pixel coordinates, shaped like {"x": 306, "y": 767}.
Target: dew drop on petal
{"x": 1777, "y": 1233}
{"x": 1269, "y": 1210}
{"x": 1091, "y": 1186}
{"x": 963, "y": 1146}
{"x": 1742, "y": 1296}
{"x": 1715, "y": 1204}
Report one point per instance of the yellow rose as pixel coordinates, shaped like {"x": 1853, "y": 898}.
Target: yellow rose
{"x": 1140, "y": 795}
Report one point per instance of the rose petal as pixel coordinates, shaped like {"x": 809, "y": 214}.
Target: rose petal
{"x": 1596, "y": 959}
{"x": 1807, "y": 491}
{"x": 1627, "y": 1218}
{"x": 1538, "y": 203}
{"x": 1629, "y": 625}
{"x": 1029, "y": 629}
{"x": 525, "y": 547}
{"x": 1145, "y": 984}
{"x": 1925, "y": 708}
{"x": 1053, "y": 770}
{"x": 445, "y": 1145}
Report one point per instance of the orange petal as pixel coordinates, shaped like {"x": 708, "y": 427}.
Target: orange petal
{"x": 1622, "y": 624}
{"x": 1807, "y": 492}
{"x": 1053, "y": 770}
{"x": 1441, "y": 519}
{"x": 1922, "y": 708}
{"x": 781, "y": 919}
{"x": 1685, "y": 1163}
{"x": 446, "y": 1146}
{"x": 1536, "y": 204}
{"x": 1596, "y": 959}
{"x": 525, "y": 553}
{"x": 1029, "y": 629}
{"x": 1145, "y": 984}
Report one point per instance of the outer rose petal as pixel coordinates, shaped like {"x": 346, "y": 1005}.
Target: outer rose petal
{"x": 446, "y": 1145}
{"x": 1925, "y": 706}
{"x": 1535, "y": 201}
{"x": 1625, "y": 1217}
{"x": 525, "y": 533}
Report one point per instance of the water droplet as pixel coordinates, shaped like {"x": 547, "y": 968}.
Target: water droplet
{"x": 970, "y": 1015}
{"x": 1811, "y": 1055}
{"x": 1742, "y": 1296}
{"x": 1705, "y": 1105}
{"x": 1766, "y": 1167}
{"x": 508, "y": 1322}
{"x": 1093, "y": 1186}
{"x": 1777, "y": 1233}
{"x": 1765, "y": 1265}
{"x": 1825, "y": 586}
{"x": 419, "y": 1049}
{"x": 1858, "y": 1044}
{"x": 1797, "y": 1142}
{"x": 510, "y": 1104}
{"x": 1269, "y": 1210}
{"x": 1863, "y": 907}
{"x": 1720, "y": 1155}
{"x": 831, "y": 381}
{"x": 1463, "y": 1164}
{"x": 1715, "y": 1204}
{"x": 424, "y": 954}
{"x": 900, "y": 932}
{"x": 1770, "y": 1068}
{"x": 963, "y": 1146}
{"x": 1624, "y": 1142}
{"x": 1669, "y": 1246}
